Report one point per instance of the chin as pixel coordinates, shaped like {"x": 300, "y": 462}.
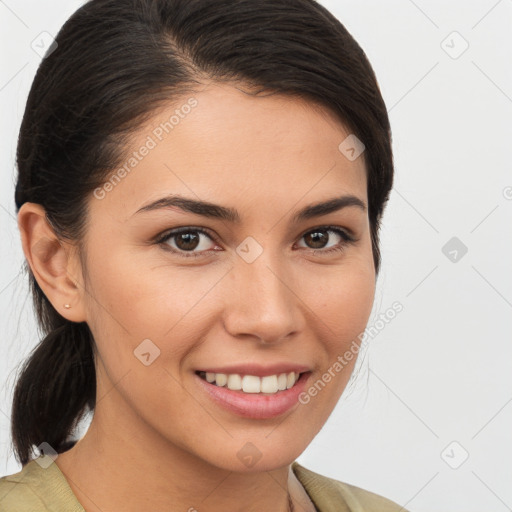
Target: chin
{"x": 268, "y": 451}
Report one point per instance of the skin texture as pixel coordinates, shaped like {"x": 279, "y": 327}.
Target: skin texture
{"x": 157, "y": 441}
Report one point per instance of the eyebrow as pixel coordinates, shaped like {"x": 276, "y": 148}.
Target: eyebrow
{"x": 216, "y": 211}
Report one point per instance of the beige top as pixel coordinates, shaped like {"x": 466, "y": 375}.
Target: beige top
{"x": 35, "y": 489}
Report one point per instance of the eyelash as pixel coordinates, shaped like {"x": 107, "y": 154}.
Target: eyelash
{"x": 166, "y": 236}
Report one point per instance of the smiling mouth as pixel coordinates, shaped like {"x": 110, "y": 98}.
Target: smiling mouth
{"x": 252, "y": 384}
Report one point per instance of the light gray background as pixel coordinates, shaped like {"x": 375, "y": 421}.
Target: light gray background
{"x": 441, "y": 370}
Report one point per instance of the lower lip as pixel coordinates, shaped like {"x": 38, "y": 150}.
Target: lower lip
{"x": 255, "y": 405}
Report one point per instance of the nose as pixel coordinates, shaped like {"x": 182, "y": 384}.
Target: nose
{"x": 263, "y": 300}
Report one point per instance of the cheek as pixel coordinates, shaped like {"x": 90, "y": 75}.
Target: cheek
{"x": 341, "y": 298}
{"x": 133, "y": 297}
{"x": 341, "y": 302}
{"x": 133, "y": 311}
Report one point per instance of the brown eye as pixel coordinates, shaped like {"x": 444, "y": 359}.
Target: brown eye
{"x": 318, "y": 238}
{"x": 187, "y": 240}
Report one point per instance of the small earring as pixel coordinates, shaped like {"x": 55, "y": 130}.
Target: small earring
{"x": 67, "y": 306}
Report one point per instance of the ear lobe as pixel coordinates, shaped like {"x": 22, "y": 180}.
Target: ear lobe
{"x": 49, "y": 259}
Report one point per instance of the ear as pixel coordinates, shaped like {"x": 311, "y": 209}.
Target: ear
{"x": 54, "y": 263}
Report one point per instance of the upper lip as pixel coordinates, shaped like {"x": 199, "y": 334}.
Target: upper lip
{"x": 258, "y": 370}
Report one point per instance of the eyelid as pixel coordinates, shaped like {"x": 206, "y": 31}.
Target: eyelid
{"x": 347, "y": 238}
{"x": 326, "y": 227}
{"x": 346, "y": 234}
{"x": 168, "y": 234}
{"x": 185, "y": 229}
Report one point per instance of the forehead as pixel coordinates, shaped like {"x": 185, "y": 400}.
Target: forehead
{"x": 222, "y": 144}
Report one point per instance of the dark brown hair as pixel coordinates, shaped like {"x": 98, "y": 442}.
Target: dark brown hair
{"x": 116, "y": 61}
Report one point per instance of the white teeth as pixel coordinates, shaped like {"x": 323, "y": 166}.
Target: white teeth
{"x": 269, "y": 384}
{"x": 221, "y": 379}
{"x": 251, "y": 384}
{"x": 235, "y": 382}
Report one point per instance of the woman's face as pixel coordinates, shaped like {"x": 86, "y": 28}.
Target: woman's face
{"x": 249, "y": 288}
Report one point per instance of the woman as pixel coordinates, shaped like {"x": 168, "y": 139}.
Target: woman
{"x": 200, "y": 189}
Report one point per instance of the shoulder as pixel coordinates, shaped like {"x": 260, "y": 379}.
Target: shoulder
{"x": 329, "y": 494}
{"x": 37, "y": 488}
{"x": 19, "y": 492}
